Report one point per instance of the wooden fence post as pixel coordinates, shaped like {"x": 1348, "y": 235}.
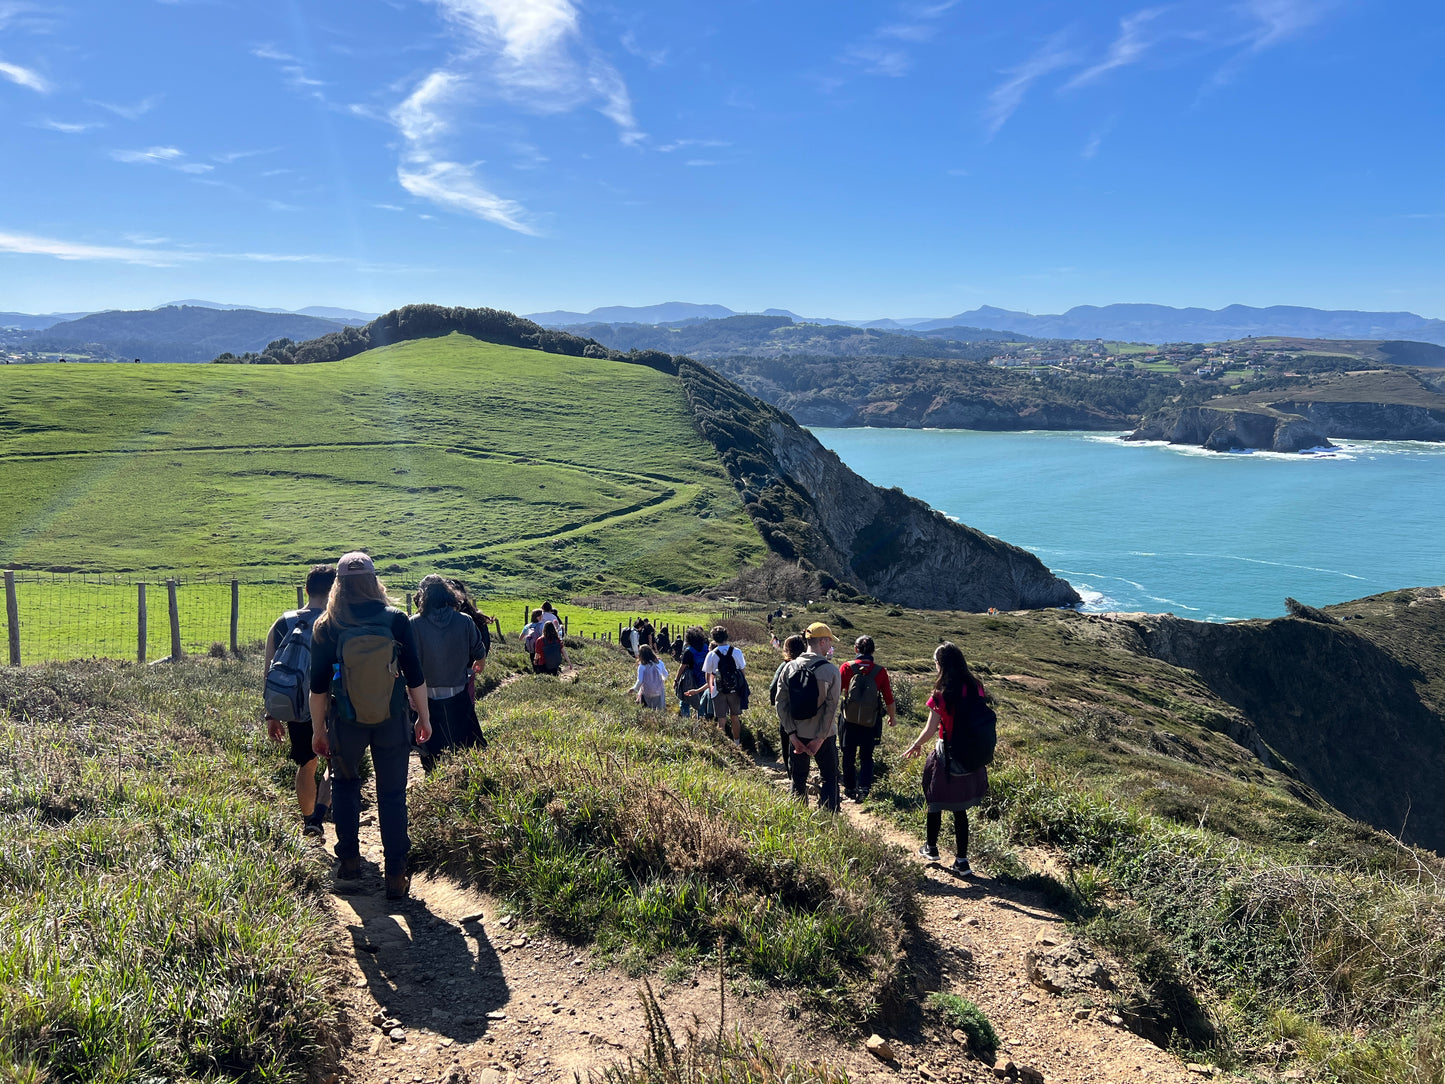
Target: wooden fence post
{"x": 175, "y": 618}
{"x": 12, "y": 617}
{"x": 500, "y": 636}
{"x": 235, "y": 612}
{"x": 564, "y": 625}
{"x": 140, "y": 634}
{"x": 300, "y": 598}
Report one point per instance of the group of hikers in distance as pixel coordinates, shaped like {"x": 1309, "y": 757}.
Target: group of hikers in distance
{"x": 351, "y": 672}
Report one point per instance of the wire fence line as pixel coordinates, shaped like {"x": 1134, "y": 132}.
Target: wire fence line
{"x": 60, "y": 616}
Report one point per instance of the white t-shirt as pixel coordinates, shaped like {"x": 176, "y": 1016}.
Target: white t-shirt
{"x": 553, "y": 618}
{"x": 709, "y": 664}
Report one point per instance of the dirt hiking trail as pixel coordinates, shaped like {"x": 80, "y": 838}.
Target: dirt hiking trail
{"x": 448, "y": 988}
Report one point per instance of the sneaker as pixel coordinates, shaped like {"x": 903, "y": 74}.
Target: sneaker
{"x": 398, "y": 887}
{"x": 852, "y": 796}
{"x": 862, "y": 794}
{"x": 961, "y": 867}
{"x": 310, "y": 826}
{"x": 930, "y": 853}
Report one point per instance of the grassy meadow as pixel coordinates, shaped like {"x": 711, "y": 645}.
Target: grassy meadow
{"x": 520, "y": 470}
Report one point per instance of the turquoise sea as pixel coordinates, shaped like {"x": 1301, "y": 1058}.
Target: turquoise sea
{"x": 1200, "y": 534}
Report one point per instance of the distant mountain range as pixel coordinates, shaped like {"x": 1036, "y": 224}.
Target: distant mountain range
{"x": 1129, "y": 323}
{"x": 25, "y": 321}
{"x": 176, "y": 333}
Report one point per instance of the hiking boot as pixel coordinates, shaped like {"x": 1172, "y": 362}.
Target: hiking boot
{"x": 852, "y": 796}
{"x": 929, "y": 852}
{"x": 310, "y": 826}
{"x": 862, "y": 794}
{"x": 961, "y": 867}
{"x": 398, "y": 886}
{"x": 348, "y": 869}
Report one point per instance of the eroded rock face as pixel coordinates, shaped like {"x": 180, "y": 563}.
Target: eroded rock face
{"x": 810, "y": 507}
{"x": 1232, "y": 430}
{"x": 896, "y": 547}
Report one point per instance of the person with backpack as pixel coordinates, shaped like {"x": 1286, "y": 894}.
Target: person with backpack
{"x": 288, "y": 695}
{"x": 691, "y": 682}
{"x": 549, "y": 653}
{"x": 467, "y": 607}
{"x": 955, "y": 776}
{"x": 651, "y": 684}
{"x": 364, "y": 669}
{"x": 450, "y": 647}
{"x": 724, "y": 669}
{"x": 793, "y": 646}
{"x": 807, "y": 705}
{"x": 531, "y": 632}
{"x": 867, "y": 694}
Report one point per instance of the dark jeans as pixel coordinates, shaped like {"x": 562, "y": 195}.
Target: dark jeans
{"x": 960, "y": 831}
{"x": 453, "y": 725}
{"x": 390, "y": 745}
{"x": 827, "y": 758}
{"x": 858, "y": 745}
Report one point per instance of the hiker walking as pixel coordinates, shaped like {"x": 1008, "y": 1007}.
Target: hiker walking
{"x": 364, "y": 668}
{"x": 807, "y": 704}
{"x": 651, "y": 684}
{"x": 793, "y": 646}
{"x": 867, "y": 694}
{"x": 724, "y": 669}
{"x": 450, "y": 647}
{"x": 549, "y": 653}
{"x": 691, "y": 682}
{"x": 288, "y": 695}
{"x": 467, "y": 607}
{"x": 948, "y": 785}
{"x": 533, "y": 630}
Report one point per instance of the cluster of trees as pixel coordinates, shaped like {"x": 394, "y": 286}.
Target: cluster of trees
{"x": 434, "y": 321}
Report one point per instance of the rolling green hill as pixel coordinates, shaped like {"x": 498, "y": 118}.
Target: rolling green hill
{"x": 524, "y": 466}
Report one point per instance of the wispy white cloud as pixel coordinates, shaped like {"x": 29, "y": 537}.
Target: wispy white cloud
{"x": 67, "y": 127}
{"x": 25, "y": 77}
{"x": 539, "y": 59}
{"x": 453, "y": 185}
{"x": 885, "y": 50}
{"x": 1005, "y": 98}
{"x": 655, "y": 58}
{"x": 1133, "y": 42}
{"x": 128, "y": 111}
{"x": 30, "y": 245}
{"x": 682, "y": 144}
{"x": 1266, "y": 24}
{"x": 162, "y": 156}
{"x": 530, "y": 53}
{"x": 291, "y": 68}
{"x": 149, "y": 156}
{"x": 227, "y": 157}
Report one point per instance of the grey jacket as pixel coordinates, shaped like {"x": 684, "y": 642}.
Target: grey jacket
{"x": 830, "y": 691}
{"x": 448, "y": 643}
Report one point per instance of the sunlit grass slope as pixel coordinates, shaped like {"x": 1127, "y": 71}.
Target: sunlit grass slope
{"x": 532, "y": 469}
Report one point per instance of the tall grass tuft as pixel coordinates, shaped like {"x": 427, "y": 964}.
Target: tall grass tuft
{"x": 161, "y": 919}
{"x": 642, "y": 831}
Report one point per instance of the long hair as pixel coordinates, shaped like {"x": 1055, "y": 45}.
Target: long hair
{"x": 435, "y": 593}
{"x": 794, "y": 646}
{"x": 549, "y": 631}
{"x": 347, "y": 591}
{"x": 954, "y": 677}
{"x": 646, "y": 655}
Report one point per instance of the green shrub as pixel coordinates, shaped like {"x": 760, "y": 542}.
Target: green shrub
{"x": 963, "y": 1015}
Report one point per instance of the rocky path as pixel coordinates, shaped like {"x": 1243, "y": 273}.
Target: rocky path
{"x": 447, "y": 987}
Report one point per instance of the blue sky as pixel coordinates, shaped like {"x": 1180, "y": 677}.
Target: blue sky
{"x": 854, "y": 160}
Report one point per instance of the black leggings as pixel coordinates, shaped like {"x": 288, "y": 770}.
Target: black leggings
{"x": 960, "y": 831}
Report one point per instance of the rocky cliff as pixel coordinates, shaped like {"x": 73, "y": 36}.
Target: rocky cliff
{"x": 1370, "y": 421}
{"x": 1351, "y": 698}
{"x": 1232, "y": 429}
{"x": 944, "y": 410}
{"x": 810, "y": 507}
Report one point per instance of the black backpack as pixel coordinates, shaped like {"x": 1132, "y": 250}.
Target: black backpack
{"x": 288, "y": 681}
{"x": 727, "y": 671}
{"x": 862, "y": 703}
{"x": 802, "y": 682}
{"x": 975, "y": 734}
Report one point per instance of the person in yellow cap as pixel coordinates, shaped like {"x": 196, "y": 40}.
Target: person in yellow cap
{"x": 808, "y": 694}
